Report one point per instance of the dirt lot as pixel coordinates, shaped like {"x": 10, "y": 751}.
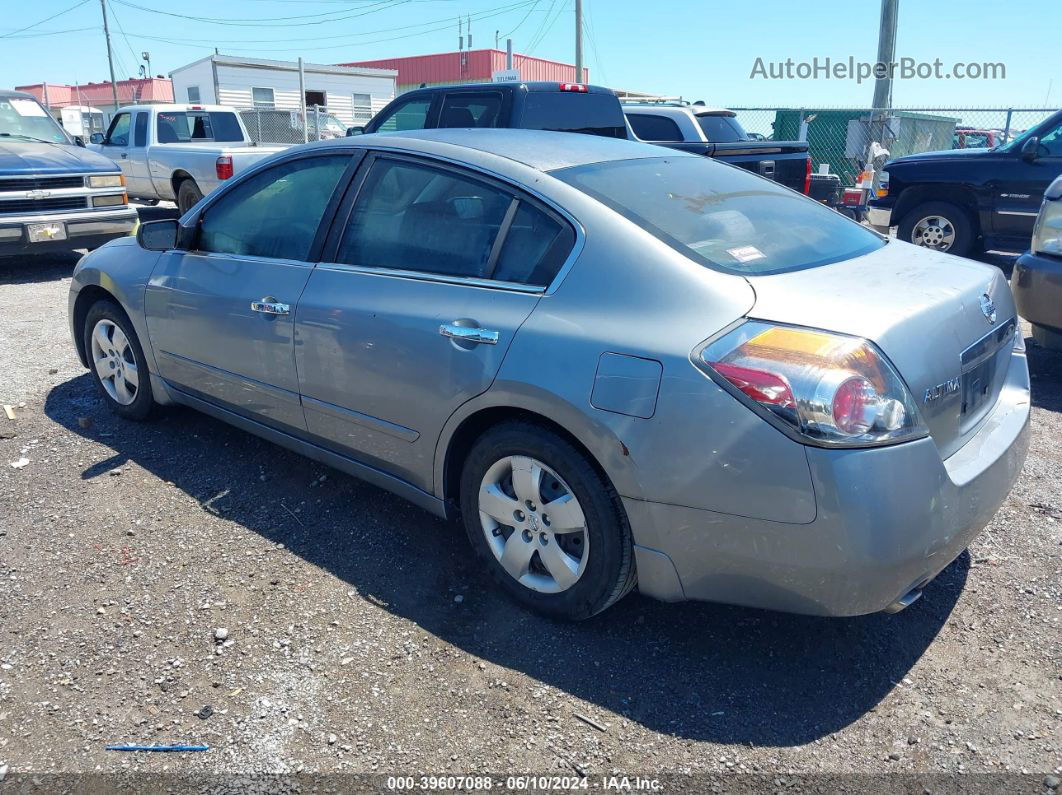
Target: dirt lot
{"x": 360, "y": 637}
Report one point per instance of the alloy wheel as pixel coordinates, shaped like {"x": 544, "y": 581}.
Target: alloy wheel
{"x": 115, "y": 364}
{"x": 935, "y": 232}
{"x": 533, "y": 524}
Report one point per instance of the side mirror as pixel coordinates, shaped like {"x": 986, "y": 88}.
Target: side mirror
{"x": 79, "y": 141}
{"x": 1030, "y": 150}
{"x": 96, "y": 138}
{"x": 158, "y": 235}
{"x": 355, "y": 131}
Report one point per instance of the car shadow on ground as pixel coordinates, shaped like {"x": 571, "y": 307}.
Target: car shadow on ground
{"x": 699, "y": 671}
{"x": 55, "y": 265}
{"x": 1045, "y": 370}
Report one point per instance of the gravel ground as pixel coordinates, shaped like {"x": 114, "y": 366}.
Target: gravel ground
{"x": 182, "y": 581}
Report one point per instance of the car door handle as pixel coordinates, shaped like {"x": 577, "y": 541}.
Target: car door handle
{"x": 124, "y": 155}
{"x": 270, "y": 306}
{"x": 473, "y": 334}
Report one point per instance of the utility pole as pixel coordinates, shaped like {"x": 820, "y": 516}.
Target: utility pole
{"x": 110, "y": 58}
{"x": 578, "y": 41}
{"x": 890, "y": 11}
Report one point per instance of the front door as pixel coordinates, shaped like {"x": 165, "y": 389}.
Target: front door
{"x": 135, "y": 166}
{"x": 220, "y": 318}
{"x": 430, "y": 277}
{"x": 116, "y": 143}
{"x": 1021, "y": 192}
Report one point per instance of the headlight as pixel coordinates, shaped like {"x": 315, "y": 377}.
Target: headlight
{"x": 883, "y": 184}
{"x": 1047, "y": 234}
{"x": 830, "y": 389}
{"x": 110, "y": 201}
{"x": 107, "y": 181}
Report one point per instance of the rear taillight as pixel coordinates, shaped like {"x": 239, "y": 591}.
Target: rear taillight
{"x": 577, "y": 88}
{"x": 830, "y": 389}
{"x": 807, "y": 176}
{"x": 223, "y": 166}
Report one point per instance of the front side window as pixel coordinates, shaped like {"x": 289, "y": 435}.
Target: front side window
{"x": 419, "y": 218}
{"x": 262, "y": 97}
{"x": 470, "y": 110}
{"x": 118, "y": 135}
{"x": 140, "y": 129}
{"x": 650, "y": 127}
{"x": 275, "y": 213}
{"x": 412, "y": 115}
{"x": 725, "y": 218}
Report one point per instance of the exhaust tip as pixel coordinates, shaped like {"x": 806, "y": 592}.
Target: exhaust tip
{"x": 905, "y": 601}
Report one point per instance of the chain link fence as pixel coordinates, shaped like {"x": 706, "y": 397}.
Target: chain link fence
{"x": 278, "y": 126}
{"x": 842, "y": 138}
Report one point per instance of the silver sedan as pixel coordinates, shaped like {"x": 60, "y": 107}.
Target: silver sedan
{"x": 619, "y": 366}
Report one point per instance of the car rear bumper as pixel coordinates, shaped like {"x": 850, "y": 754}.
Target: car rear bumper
{"x": 83, "y": 230}
{"x": 888, "y": 520}
{"x": 1037, "y": 288}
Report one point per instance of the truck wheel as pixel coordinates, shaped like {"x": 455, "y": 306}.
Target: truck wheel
{"x": 941, "y": 226}
{"x": 188, "y": 195}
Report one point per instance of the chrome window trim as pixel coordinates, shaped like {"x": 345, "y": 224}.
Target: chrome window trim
{"x": 518, "y": 188}
{"x": 254, "y": 258}
{"x": 425, "y": 276}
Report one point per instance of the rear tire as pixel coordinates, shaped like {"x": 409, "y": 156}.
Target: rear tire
{"x": 940, "y": 226}
{"x": 116, "y": 361}
{"x": 188, "y": 195}
{"x": 568, "y": 533}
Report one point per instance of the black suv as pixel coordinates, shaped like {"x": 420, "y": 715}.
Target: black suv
{"x": 563, "y": 107}
{"x": 961, "y": 198}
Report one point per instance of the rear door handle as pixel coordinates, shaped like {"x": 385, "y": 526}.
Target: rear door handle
{"x": 473, "y": 334}
{"x": 270, "y": 306}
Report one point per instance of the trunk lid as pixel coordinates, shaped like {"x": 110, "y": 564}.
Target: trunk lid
{"x": 926, "y": 311}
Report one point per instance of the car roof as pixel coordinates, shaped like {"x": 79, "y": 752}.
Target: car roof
{"x": 540, "y": 149}
{"x": 7, "y": 92}
{"x": 675, "y": 110}
{"x": 514, "y": 85}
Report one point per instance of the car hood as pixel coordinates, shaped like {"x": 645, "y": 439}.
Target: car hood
{"x": 18, "y": 158}
{"x": 943, "y": 155}
{"x": 924, "y": 310}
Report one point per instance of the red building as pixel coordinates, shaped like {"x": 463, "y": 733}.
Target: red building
{"x": 470, "y": 66}
{"x": 98, "y": 95}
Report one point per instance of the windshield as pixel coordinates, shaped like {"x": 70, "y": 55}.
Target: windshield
{"x": 1047, "y": 133}
{"x": 596, "y": 114}
{"x": 722, "y": 129}
{"x": 23, "y": 118}
{"x": 722, "y": 216}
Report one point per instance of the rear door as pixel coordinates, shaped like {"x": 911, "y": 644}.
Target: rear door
{"x": 429, "y": 272}
{"x": 221, "y": 317}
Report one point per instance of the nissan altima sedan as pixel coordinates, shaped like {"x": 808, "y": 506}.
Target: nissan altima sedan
{"x": 619, "y": 366}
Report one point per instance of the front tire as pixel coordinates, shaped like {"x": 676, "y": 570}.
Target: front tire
{"x": 547, "y": 525}
{"x": 116, "y": 361}
{"x": 188, "y": 196}
{"x": 941, "y": 226}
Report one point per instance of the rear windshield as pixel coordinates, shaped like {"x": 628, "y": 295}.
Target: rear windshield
{"x": 563, "y": 111}
{"x": 722, "y": 129}
{"x": 722, "y": 216}
{"x": 183, "y": 126}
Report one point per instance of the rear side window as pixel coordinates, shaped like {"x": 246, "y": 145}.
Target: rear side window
{"x": 470, "y": 110}
{"x": 275, "y": 213}
{"x": 412, "y": 115}
{"x": 183, "y": 126}
{"x": 722, "y": 217}
{"x": 140, "y": 129}
{"x": 722, "y": 129}
{"x": 650, "y": 127}
{"x": 563, "y": 111}
{"x": 536, "y": 245}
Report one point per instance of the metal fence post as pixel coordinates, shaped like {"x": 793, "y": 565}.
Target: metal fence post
{"x": 317, "y": 122}
{"x": 1006, "y": 130}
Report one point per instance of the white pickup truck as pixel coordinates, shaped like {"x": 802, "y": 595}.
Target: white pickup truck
{"x": 178, "y": 152}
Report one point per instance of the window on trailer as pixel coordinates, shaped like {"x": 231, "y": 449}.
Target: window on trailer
{"x": 262, "y": 97}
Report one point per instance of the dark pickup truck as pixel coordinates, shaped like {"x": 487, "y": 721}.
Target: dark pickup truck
{"x": 54, "y": 194}
{"x": 716, "y": 133}
{"x": 579, "y": 108}
{"x": 962, "y": 199}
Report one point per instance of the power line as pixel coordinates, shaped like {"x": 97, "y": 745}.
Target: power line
{"x": 271, "y": 22}
{"x": 43, "y": 34}
{"x": 541, "y": 25}
{"x": 132, "y": 52}
{"x": 545, "y": 33}
{"x": 46, "y": 19}
{"x": 522, "y": 21}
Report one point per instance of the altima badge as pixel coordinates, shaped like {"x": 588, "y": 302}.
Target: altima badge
{"x": 949, "y": 387}
{"x": 988, "y": 309}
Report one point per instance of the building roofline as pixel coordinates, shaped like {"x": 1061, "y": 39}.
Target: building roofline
{"x": 290, "y": 66}
{"x": 466, "y": 52}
